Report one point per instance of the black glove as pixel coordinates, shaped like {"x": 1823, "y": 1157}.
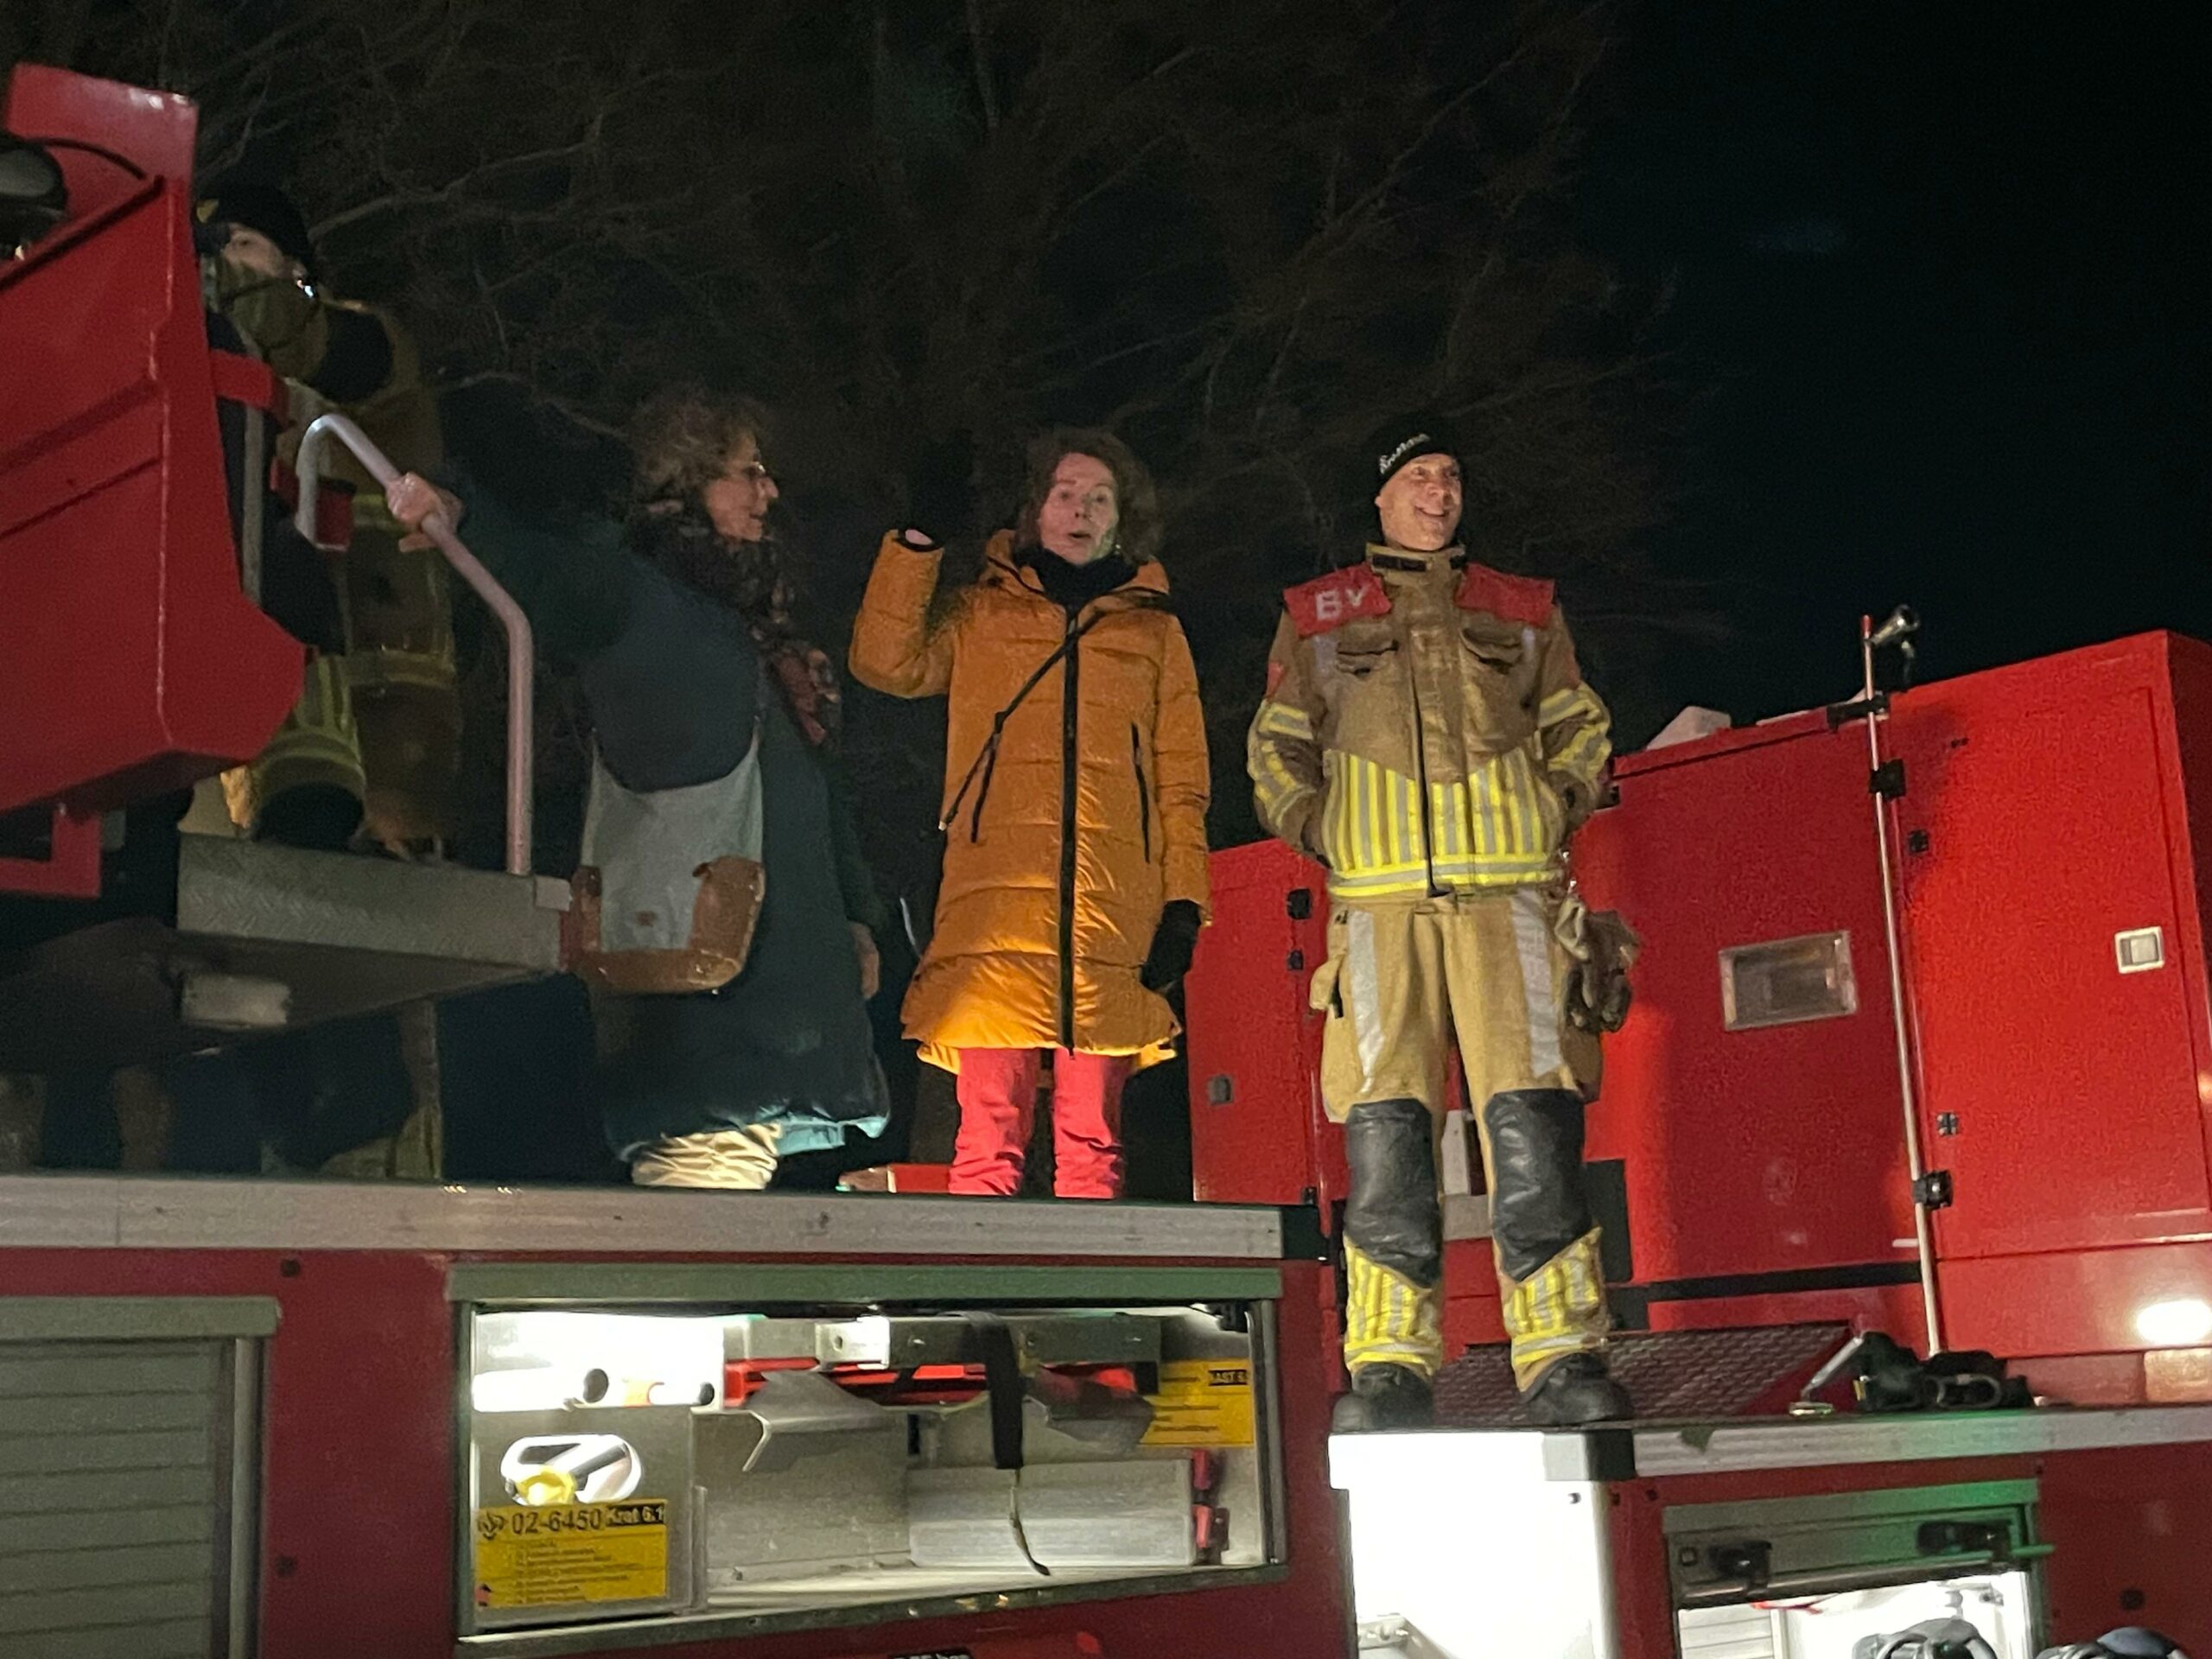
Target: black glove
{"x": 941, "y": 493}
{"x": 1172, "y": 941}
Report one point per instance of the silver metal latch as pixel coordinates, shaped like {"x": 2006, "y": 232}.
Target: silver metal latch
{"x": 2139, "y": 950}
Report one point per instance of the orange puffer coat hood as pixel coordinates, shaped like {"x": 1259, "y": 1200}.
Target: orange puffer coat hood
{"x": 1067, "y": 836}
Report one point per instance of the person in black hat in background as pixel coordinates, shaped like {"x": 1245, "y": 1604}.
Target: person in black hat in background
{"x": 369, "y": 759}
{"x": 1425, "y": 735}
{"x": 375, "y": 741}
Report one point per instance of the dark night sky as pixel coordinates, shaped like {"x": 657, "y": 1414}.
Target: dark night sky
{"x": 1939, "y": 307}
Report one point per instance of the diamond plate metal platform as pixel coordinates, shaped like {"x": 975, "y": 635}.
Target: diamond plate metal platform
{"x": 1671, "y": 1374}
{"x": 345, "y": 935}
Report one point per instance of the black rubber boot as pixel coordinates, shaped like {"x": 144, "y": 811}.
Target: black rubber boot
{"x": 1576, "y": 1390}
{"x": 1384, "y": 1396}
{"x": 1537, "y": 1204}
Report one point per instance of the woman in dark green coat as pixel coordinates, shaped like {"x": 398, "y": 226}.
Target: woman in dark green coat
{"x": 716, "y": 730}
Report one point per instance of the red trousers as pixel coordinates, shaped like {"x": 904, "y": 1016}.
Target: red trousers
{"x": 997, "y": 1089}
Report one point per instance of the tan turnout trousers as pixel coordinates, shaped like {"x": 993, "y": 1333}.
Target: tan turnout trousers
{"x": 1402, "y": 980}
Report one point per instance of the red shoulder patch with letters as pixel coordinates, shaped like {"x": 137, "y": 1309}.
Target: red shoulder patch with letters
{"x": 1525, "y": 600}
{"x": 1331, "y": 601}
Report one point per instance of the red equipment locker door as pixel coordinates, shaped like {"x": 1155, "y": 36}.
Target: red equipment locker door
{"x": 1257, "y": 1134}
{"x": 1757, "y": 1150}
{"x": 2041, "y": 825}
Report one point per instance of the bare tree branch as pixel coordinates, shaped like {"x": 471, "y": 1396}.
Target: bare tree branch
{"x": 454, "y": 189}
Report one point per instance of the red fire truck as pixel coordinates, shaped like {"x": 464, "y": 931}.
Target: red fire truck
{"x": 387, "y": 1421}
{"x": 293, "y": 1418}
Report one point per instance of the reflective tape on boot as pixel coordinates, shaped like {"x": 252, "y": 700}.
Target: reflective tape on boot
{"x": 1389, "y": 1320}
{"x": 1559, "y": 1309}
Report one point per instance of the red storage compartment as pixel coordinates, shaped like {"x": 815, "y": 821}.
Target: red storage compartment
{"x": 130, "y": 660}
{"x": 2047, "y": 835}
{"x": 1257, "y": 1131}
{"x": 1753, "y": 1096}
{"x": 2054, "y": 935}
{"x": 2052, "y": 931}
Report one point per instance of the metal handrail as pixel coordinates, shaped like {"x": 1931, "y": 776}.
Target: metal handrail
{"x": 522, "y": 651}
{"x": 1900, "y": 625}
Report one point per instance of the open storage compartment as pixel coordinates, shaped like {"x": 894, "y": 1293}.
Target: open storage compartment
{"x": 1559, "y": 1545}
{"x": 1814, "y": 1577}
{"x": 746, "y": 1449}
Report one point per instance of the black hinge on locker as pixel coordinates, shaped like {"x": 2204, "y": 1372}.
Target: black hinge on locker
{"x": 1299, "y": 905}
{"x": 1887, "y": 780}
{"x": 1932, "y": 1190}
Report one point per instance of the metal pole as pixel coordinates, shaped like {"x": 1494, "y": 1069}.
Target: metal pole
{"x": 522, "y": 655}
{"x": 255, "y": 489}
{"x": 1924, "y": 1229}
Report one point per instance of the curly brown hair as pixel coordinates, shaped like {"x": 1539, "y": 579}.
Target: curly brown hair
{"x": 682, "y": 438}
{"x": 1135, "y": 499}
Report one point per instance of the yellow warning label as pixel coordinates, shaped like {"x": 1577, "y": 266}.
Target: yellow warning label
{"x": 1202, "y": 1403}
{"x": 572, "y": 1553}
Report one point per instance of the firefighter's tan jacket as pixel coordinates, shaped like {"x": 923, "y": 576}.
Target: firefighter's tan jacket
{"x": 1426, "y": 729}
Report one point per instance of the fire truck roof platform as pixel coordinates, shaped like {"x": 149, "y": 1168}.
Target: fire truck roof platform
{"x": 1647, "y": 1450}
{"x": 322, "y": 936}
{"x": 141, "y": 1212}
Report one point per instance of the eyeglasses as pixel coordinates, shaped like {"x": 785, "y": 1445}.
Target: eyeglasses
{"x": 753, "y": 471}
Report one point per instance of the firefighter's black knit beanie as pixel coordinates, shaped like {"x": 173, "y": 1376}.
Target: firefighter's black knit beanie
{"x": 1401, "y": 441}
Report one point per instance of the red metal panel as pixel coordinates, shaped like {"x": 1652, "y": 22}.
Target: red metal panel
{"x": 2071, "y": 1301}
{"x": 2133, "y": 1532}
{"x": 72, "y": 866}
{"x": 1730, "y": 741}
{"x": 1473, "y": 1314}
{"x": 154, "y": 131}
{"x": 359, "y": 1463}
{"x": 2189, "y": 664}
{"x": 2083, "y": 1379}
{"x": 358, "y": 1454}
{"x": 1893, "y": 1308}
{"x": 1254, "y": 1040}
{"x": 1643, "y": 1589}
{"x": 129, "y": 659}
{"x": 2048, "y": 807}
{"x": 1768, "y": 1150}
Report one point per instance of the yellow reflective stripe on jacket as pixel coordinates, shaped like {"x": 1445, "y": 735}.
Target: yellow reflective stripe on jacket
{"x": 1585, "y": 755}
{"x": 1497, "y": 828}
{"x": 1581, "y": 749}
{"x": 1281, "y": 719}
{"x": 1567, "y": 701}
{"x": 1276, "y": 785}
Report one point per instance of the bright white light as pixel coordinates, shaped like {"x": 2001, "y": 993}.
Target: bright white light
{"x": 538, "y": 1388}
{"x": 2183, "y": 1323}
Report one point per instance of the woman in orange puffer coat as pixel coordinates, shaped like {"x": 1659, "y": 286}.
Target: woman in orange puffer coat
{"x": 1075, "y": 802}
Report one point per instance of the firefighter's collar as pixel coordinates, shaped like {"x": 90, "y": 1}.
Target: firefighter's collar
{"x": 1398, "y": 558}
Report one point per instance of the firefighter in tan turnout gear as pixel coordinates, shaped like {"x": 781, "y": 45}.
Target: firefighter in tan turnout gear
{"x": 1427, "y": 736}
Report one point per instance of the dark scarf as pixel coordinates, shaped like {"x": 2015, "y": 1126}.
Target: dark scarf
{"x": 1072, "y": 586}
{"x": 750, "y": 580}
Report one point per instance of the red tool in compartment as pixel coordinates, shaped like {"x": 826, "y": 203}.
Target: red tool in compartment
{"x": 933, "y": 1385}
{"x": 1074, "y": 1386}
